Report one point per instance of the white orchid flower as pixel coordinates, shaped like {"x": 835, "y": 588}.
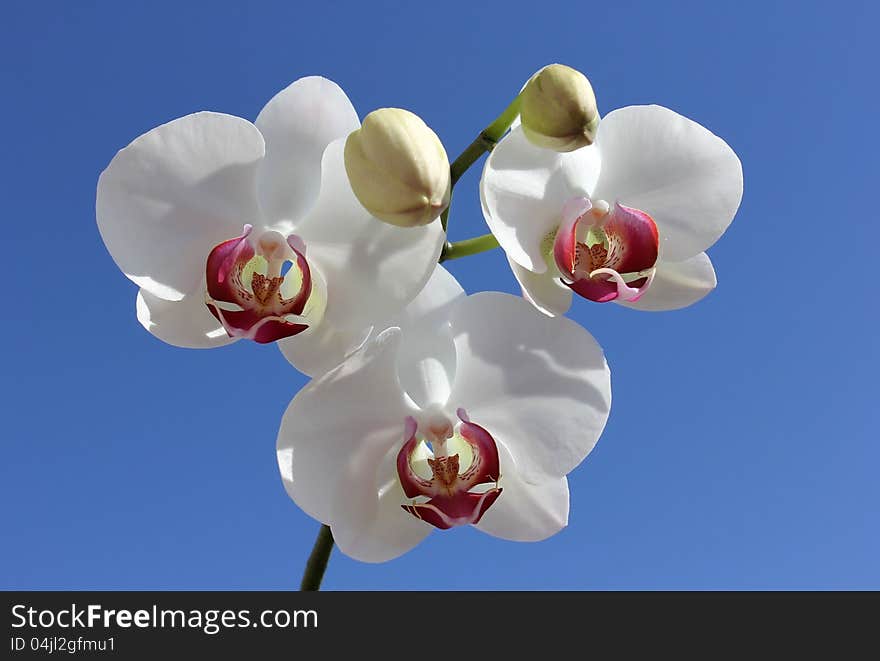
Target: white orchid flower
{"x": 238, "y": 230}
{"x": 468, "y": 410}
{"x": 626, "y": 219}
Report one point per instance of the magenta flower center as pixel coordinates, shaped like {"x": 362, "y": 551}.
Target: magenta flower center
{"x": 605, "y": 253}
{"x": 259, "y": 289}
{"x": 456, "y": 492}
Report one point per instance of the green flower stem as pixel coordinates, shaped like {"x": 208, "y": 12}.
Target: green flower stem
{"x": 317, "y": 563}
{"x": 444, "y": 217}
{"x": 468, "y": 247}
{"x": 484, "y": 142}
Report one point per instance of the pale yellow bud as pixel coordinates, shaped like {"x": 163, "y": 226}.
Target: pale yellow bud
{"x": 398, "y": 168}
{"x": 558, "y": 109}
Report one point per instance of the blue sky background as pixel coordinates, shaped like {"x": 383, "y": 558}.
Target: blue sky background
{"x": 742, "y": 449}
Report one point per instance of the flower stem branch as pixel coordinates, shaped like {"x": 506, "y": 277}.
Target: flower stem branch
{"x": 484, "y": 142}
{"x": 468, "y": 247}
{"x": 317, "y": 562}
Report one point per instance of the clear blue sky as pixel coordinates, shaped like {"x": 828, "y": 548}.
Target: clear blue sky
{"x": 742, "y": 449}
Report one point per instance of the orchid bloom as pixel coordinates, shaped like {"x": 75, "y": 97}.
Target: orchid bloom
{"x": 626, "y": 219}
{"x": 234, "y": 229}
{"x": 467, "y": 410}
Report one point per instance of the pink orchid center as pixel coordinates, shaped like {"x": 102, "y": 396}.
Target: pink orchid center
{"x": 604, "y": 252}
{"x": 258, "y": 288}
{"x": 455, "y": 481}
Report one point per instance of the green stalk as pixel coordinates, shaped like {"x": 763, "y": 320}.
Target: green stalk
{"x": 317, "y": 562}
{"x": 468, "y": 247}
{"x": 484, "y": 142}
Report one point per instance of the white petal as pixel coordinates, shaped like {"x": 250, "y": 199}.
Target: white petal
{"x": 184, "y": 323}
{"x": 174, "y": 193}
{"x": 523, "y": 190}
{"x": 321, "y": 347}
{"x": 433, "y": 303}
{"x": 324, "y": 346}
{"x": 526, "y": 512}
{"x": 426, "y": 365}
{"x": 369, "y": 523}
{"x": 687, "y": 178}
{"x": 389, "y": 533}
{"x": 298, "y": 124}
{"x": 372, "y": 269}
{"x": 677, "y": 284}
{"x": 543, "y": 290}
{"x": 539, "y": 383}
{"x": 338, "y": 428}
{"x": 426, "y": 360}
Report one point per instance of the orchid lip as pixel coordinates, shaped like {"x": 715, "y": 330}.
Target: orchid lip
{"x": 454, "y": 494}
{"x": 605, "y": 252}
{"x": 249, "y": 292}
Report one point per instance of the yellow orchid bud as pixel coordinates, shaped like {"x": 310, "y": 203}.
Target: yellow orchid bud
{"x": 398, "y": 168}
{"x": 558, "y": 109}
